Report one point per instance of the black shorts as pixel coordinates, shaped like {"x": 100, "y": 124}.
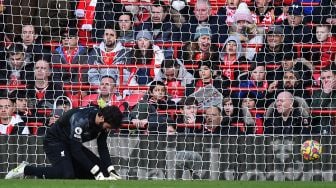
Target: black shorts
{"x": 56, "y": 152}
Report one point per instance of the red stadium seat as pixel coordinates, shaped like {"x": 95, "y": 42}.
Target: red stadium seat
{"x": 316, "y": 76}
{"x": 133, "y": 99}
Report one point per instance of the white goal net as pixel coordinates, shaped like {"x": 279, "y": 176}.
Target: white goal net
{"x": 209, "y": 89}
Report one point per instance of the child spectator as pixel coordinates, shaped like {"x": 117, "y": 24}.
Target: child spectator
{"x": 188, "y": 116}
{"x": 232, "y": 117}
{"x": 158, "y": 96}
{"x": 61, "y": 105}
{"x": 231, "y": 55}
{"x": 145, "y": 53}
{"x": 208, "y": 76}
{"x": 324, "y": 37}
{"x": 256, "y": 80}
{"x": 11, "y": 123}
{"x": 209, "y": 73}
{"x": 253, "y": 122}
{"x": 173, "y": 74}
{"x": 246, "y": 30}
{"x": 145, "y": 112}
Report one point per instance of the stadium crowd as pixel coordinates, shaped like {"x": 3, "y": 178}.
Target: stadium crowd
{"x": 172, "y": 67}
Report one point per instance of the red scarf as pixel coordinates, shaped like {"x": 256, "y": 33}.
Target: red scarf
{"x": 13, "y": 81}
{"x": 259, "y": 126}
{"x": 228, "y": 72}
{"x": 199, "y": 56}
{"x": 108, "y": 57}
{"x": 269, "y": 18}
{"x": 9, "y": 128}
{"x": 229, "y": 16}
{"x": 40, "y": 93}
{"x": 200, "y": 84}
{"x": 69, "y": 56}
{"x": 89, "y": 7}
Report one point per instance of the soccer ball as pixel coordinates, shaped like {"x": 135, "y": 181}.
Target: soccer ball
{"x": 311, "y": 150}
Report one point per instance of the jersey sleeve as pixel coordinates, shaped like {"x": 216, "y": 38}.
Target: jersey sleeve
{"x": 103, "y": 149}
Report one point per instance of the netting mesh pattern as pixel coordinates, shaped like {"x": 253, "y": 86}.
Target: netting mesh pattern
{"x": 196, "y": 69}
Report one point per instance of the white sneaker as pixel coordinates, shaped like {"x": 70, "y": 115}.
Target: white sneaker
{"x": 18, "y": 172}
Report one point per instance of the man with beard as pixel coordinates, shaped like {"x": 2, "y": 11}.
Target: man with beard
{"x": 63, "y": 146}
{"x": 108, "y": 52}
{"x": 290, "y": 62}
{"x": 291, "y": 83}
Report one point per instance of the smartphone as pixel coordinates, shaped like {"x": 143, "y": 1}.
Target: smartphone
{"x": 58, "y": 112}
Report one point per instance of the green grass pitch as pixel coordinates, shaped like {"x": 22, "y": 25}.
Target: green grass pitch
{"x": 158, "y": 184}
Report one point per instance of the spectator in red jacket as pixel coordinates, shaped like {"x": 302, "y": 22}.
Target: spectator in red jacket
{"x": 324, "y": 36}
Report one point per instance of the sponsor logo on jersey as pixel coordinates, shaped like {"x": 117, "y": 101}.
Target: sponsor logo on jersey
{"x": 78, "y": 132}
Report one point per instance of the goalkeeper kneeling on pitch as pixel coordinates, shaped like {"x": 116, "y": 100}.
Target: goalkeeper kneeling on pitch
{"x": 65, "y": 151}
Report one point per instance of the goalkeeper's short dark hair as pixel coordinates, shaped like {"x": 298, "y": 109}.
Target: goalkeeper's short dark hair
{"x": 112, "y": 115}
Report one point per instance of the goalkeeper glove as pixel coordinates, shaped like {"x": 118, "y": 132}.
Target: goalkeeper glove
{"x": 96, "y": 173}
{"x": 113, "y": 174}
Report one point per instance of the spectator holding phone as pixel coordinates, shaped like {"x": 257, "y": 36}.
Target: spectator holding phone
{"x": 62, "y": 104}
